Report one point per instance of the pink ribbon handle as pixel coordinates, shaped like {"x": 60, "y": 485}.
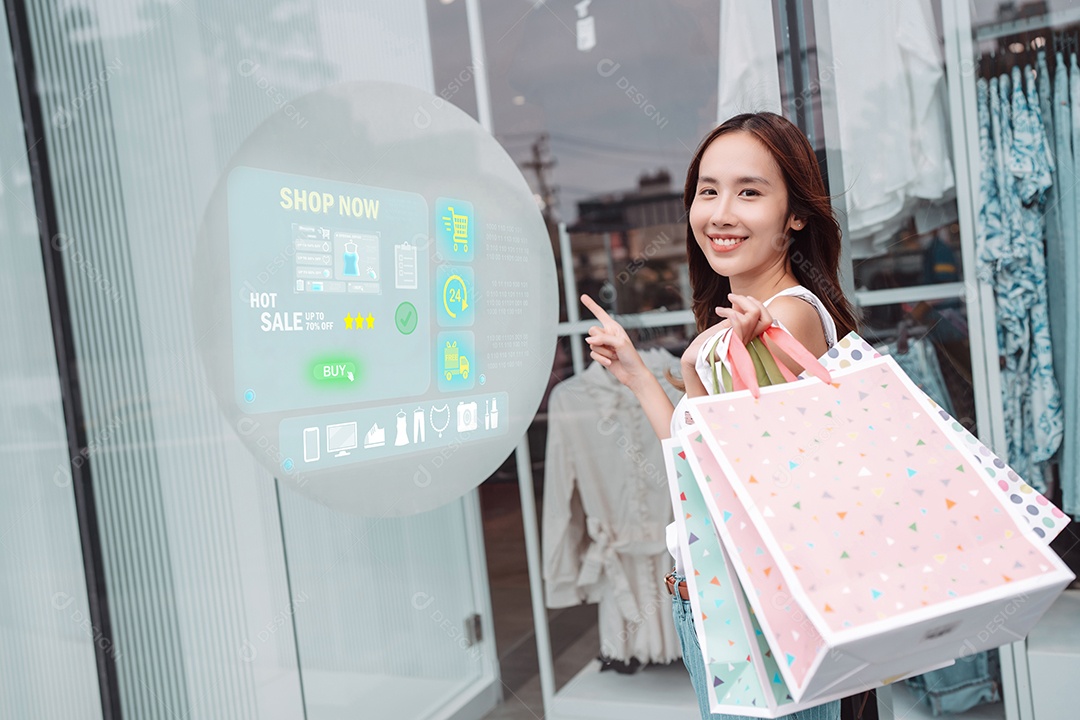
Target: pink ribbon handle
{"x": 784, "y": 370}
{"x": 743, "y": 375}
{"x": 796, "y": 352}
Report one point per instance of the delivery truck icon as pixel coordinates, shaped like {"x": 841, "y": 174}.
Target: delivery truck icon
{"x": 454, "y": 363}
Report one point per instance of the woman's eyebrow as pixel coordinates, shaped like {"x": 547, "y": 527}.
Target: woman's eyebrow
{"x": 747, "y": 180}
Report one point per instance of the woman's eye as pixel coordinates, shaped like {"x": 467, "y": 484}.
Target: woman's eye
{"x": 750, "y": 192}
{"x": 706, "y": 191}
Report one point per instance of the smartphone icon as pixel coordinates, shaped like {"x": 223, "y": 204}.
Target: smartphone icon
{"x": 311, "y": 444}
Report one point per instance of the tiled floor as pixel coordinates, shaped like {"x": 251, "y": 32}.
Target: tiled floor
{"x": 575, "y": 640}
{"x": 525, "y": 702}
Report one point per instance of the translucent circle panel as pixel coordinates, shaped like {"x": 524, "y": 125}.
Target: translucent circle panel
{"x": 376, "y": 292}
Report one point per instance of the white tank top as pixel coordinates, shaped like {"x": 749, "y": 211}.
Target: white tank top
{"x": 680, "y": 418}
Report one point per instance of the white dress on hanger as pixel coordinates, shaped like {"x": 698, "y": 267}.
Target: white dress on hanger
{"x": 606, "y": 504}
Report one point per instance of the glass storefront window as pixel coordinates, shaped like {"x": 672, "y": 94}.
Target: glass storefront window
{"x": 233, "y": 593}
{"x": 583, "y": 99}
{"x": 930, "y": 341}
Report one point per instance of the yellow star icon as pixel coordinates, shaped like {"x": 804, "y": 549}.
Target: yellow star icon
{"x": 348, "y": 322}
{"x": 370, "y": 321}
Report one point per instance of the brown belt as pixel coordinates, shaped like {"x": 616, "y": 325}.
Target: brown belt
{"x": 669, "y": 583}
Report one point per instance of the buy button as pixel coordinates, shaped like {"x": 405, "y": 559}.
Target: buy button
{"x": 335, "y": 371}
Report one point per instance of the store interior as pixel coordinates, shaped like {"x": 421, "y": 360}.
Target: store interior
{"x": 626, "y": 247}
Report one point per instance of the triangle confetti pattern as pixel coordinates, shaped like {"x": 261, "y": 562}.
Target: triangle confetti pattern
{"x": 829, "y": 512}
{"x": 806, "y": 643}
{"x": 727, "y": 642}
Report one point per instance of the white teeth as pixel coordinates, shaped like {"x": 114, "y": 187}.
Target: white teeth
{"x": 726, "y": 243}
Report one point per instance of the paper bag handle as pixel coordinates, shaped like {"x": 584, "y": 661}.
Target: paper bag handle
{"x": 744, "y": 372}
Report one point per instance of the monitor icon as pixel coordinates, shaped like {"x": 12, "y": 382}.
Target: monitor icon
{"x": 341, "y": 438}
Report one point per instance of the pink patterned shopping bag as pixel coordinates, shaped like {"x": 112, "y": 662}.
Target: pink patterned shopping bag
{"x": 1031, "y": 508}
{"x": 880, "y": 533}
{"x": 745, "y": 675}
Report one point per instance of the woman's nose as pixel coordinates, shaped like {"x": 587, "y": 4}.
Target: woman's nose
{"x": 723, "y": 211}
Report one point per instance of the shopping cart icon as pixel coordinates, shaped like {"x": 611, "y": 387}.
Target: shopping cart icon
{"x": 457, "y": 224}
{"x": 454, "y": 363}
{"x": 455, "y": 228}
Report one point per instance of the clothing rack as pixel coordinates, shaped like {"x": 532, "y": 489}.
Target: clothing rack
{"x": 1017, "y": 44}
{"x": 1037, "y": 23}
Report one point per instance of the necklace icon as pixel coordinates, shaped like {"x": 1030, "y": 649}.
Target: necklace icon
{"x": 445, "y": 411}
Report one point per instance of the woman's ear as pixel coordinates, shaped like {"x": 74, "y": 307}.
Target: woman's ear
{"x": 796, "y": 224}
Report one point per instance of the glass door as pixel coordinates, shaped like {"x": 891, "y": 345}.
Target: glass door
{"x": 230, "y": 594}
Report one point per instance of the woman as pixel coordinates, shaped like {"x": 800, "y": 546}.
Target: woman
{"x": 762, "y": 245}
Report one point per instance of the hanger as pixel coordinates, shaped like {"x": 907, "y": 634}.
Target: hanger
{"x": 902, "y": 345}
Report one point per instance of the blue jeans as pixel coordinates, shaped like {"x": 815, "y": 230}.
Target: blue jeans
{"x": 969, "y": 682}
{"x": 695, "y": 665}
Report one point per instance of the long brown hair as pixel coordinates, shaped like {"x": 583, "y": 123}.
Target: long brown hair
{"x": 813, "y": 251}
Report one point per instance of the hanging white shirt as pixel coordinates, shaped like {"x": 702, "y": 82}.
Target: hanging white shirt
{"x": 894, "y": 134}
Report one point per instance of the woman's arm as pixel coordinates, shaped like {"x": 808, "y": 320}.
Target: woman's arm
{"x": 694, "y": 386}
{"x": 611, "y": 347}
{"x": 656, "y": 404}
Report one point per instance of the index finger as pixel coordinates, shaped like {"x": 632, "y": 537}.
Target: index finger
{"x": 596, "y": 310}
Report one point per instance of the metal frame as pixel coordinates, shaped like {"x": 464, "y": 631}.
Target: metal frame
{"x": 30, "y": 105}
{"x": 986, "y": 375}
{"x": 830, "y": 121}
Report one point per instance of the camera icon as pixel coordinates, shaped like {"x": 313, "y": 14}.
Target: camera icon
{"x": 466, "y": 416}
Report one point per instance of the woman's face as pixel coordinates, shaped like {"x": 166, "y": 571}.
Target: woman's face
{"x": 739, "y": 215}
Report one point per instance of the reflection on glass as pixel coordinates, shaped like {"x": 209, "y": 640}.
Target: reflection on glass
{"x": 603, "y": 133}
{"x": 930, "y": 342}
{"x": 631, "y": 248}
{"x": 601, "y": 108}
{"x": 913, "y": 258}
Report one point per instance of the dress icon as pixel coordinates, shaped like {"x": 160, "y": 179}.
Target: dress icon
{"x": 352, "y": 260}
{"x": 402, "y": 437}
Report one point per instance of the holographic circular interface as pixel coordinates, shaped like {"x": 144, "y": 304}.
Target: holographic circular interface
{"x": 376, "y": 299}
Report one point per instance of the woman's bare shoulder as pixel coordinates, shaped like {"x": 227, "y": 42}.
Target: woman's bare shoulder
{"x": 802, "y": 321}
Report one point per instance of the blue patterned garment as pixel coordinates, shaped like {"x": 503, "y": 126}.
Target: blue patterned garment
{"x": 1070, "y": 465}
{"x": 1062, "y": 279}
{"x": 990, "y": 231}
{"x": 1045, "y": 401}
{"x": 1055, "y": 237}
{"x": 1013, "y": 186}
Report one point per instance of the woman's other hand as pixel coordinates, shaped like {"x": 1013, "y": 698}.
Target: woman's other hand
{"x": 748, "y": 317}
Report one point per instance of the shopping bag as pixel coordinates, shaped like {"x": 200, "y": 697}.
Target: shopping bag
{"x": 742, "y": 672}
{"x": 833, "y": 575}
{"x": 1031, "y": 509}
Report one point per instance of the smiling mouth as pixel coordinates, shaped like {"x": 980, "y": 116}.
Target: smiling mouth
{"x": 726, "y": 244}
